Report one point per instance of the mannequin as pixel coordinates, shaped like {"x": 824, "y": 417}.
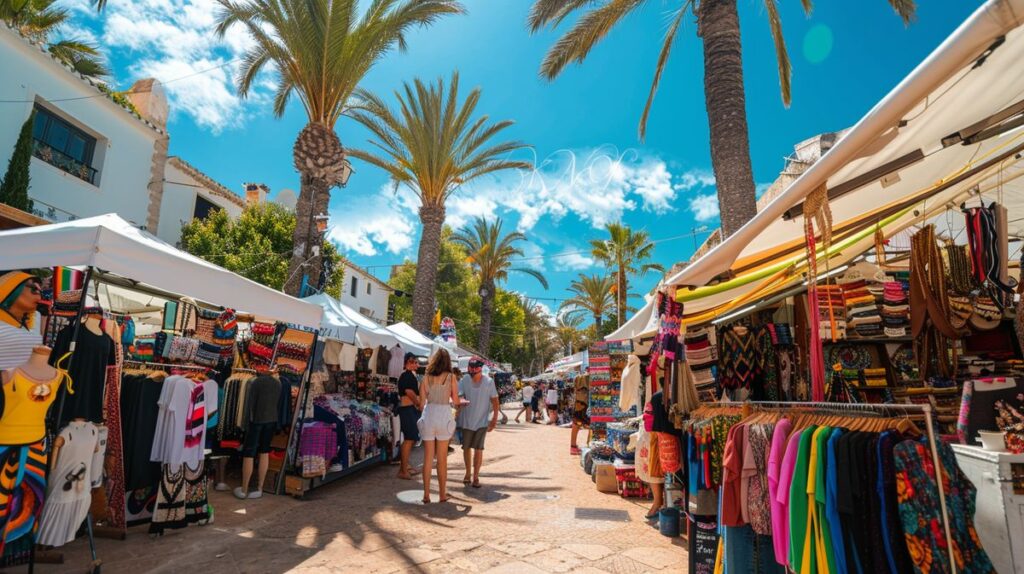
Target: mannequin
{"x": 261, "y": 415}
{"x": 29, "y": 390}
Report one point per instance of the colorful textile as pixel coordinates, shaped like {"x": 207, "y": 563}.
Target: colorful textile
{"x": 22, "y": 491}
{"x": 919, "y": 508}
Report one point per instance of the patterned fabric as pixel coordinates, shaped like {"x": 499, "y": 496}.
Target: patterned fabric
{"x": 170, "y": 501}
{"x": 759, "y": 442}
{"x": 113, "y": 465}
{"x": 197, "y": 508}
{"x": 965, "y": 412}
{"x": 737, "y": 363}
{"x": 767, "y": 366}
{"x": 719, "y": 433}
{"x": 22, "y": 490}
{"x": 918, "y": 497}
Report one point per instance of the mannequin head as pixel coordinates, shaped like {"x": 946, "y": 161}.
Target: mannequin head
{"x": 19, "y": 296}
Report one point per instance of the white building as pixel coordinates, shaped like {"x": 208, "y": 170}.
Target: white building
{"x": 191, "y": 194}
{"x": 365, "y": 293}
{"x": 93, "y": 155}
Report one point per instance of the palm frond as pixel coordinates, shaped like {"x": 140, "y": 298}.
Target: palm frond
{"x": 659, "y": 68}
{"x": 591, "y": 28}
{"x": 553, "y": 12}
{"x": 907, "y": 9}
{"x": 82, "y": 57}
{"x": 781, "y": 53}
{"x": 533, "y": 273}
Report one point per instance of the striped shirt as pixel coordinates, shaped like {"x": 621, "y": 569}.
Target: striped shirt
{"x": 16, "y": 345}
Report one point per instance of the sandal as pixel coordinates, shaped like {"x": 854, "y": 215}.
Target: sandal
{"x": 652, "y": 515}
{"x": 466, "y": 481}
{"x": 444, "y": 498}
{"x": 426, "y": 500}
{"x": 476, "y": 484}
{"x": 404, "y": 476}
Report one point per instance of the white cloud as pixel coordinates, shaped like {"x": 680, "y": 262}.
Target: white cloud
{"x": 704, "y": 207}
{"x": 174, "y": 42}
{"x": 597, "y": 185}
{"x": 695, "y": 178}
{"x": 533, "y": 257}
{"x": 573, "y": 261}
{"x": 385, "y": 222}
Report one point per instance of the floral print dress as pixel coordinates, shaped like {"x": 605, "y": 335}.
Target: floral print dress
{"x": 917, "y": 495}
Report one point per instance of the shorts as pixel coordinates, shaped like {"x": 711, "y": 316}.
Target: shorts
{"x": 535, "y": 403}
{"x": 257, "y": 439}
{"x": 473, "y": 438}
{"x": 526, "y": 404}
{"x": 408, "y": 416}
{"x": 436, "y": 423}
{"x": 553, "y": 406}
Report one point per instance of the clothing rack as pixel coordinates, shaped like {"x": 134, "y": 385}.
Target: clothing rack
{"x": 865, "y": 408}
{"x": 173, "y": 366}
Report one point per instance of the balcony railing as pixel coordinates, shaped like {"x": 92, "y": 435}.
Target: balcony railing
{"x": 63, "y": 161}
{"x": 50, "y": 212}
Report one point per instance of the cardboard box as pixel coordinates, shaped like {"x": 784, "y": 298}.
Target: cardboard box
{"x": 604, "y": 474}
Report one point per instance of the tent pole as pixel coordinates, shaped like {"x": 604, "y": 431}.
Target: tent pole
{"x": 295, "y": 434}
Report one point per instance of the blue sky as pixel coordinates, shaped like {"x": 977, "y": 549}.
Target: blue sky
{"x": 591, "y": 167}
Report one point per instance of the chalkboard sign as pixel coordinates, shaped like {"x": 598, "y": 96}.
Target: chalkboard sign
{"x": 703, "y": 544}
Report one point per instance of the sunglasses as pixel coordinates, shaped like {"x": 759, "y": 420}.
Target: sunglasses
{"x": 73, "y": 477}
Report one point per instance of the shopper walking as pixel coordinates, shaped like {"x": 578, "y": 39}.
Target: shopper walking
{"x": 527, "y": 394}
{"x": 535, "y": 405}
{"x": 478, "y": 416}
{"x": 438, "y": 393}
{"x": 552, "y": 403}
{"x": 408, "y": 413}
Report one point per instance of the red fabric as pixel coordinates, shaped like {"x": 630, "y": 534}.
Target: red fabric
{"x": 816, "y": 354}
{"x": 669, "y": 452}
{"x": 731, "y": 471}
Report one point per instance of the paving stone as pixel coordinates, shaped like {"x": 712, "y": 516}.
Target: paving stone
{"x": 515, "y": 568}
{"x": 657, "y": 558}
{"x": 360, "y": 525}
{"x": 588, "y": 551}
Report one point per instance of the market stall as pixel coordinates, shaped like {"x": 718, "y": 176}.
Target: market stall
{"x": 122, "y": 435}
{"x": 348, "y": 410}
{"x": 874, "y": 294}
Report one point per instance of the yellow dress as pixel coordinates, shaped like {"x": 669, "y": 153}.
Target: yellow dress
{"x": 26, "y": 401}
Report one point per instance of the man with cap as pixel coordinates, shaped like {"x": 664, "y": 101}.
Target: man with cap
{"x": 19, "y": 296}
{"x": 482, "y": 396}
{"x": 409, "y": 408}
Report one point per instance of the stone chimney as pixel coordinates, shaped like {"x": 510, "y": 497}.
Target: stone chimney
{"x": 150, "y": 100}
{"x": 255, "y": 193}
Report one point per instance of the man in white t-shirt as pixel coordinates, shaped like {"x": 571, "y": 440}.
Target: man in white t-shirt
{"x": 527, "y": 392}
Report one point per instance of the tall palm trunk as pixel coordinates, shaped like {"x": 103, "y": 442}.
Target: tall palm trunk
{"x": 313, "y": 199}
{"x": 718, "y": 24}
{"x": 620, "y": 296}
{"x": 432, "y": 218}
{"x": 486, "y": 316}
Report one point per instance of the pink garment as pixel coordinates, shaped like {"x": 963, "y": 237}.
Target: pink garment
{"x": 814, "y": 318}
{"x": 732, "y": 468}
{"x": 780, "y": 477}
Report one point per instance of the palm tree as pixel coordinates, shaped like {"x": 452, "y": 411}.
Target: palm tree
{"x": 569, "y": 332}
{"x": 624, "y": 253}
{"x": 718, "y": 26}
{"x": 491, "y": 255}
{"x": 432, "y": 146}
{"x": 590, "y": 294}
{"x": 39, "y": 20}
{"x": 321, "y": 50}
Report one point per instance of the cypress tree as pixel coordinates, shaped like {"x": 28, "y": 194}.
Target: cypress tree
{"x": 14, "y": 189}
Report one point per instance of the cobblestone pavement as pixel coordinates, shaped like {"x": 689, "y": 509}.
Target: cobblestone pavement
{"x": 536, "y": 512}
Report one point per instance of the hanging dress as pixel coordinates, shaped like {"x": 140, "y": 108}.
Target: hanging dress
{"x": 69, "y": 492}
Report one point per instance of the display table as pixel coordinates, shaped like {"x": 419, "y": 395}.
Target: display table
{"x": 999, "y": 478}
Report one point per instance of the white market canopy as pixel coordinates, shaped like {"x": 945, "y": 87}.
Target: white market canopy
{"x": 345, "y": 324}
{"x": 952, "y": 126}
{"x": 405, "y": 332}
{"x": 116, "y": 247}
{"x": 643, "y": 324}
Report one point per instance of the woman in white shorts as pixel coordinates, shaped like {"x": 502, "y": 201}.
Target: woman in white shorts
{"x": 438, "y": 393}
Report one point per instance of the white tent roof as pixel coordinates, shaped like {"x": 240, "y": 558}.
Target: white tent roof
{"x": 643, "y": 324}
{"x": 345, "y": 324}
{"x": 405, "y": 332}
{"x": 972, "y": 77}
{"x": 114, "y": 246}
